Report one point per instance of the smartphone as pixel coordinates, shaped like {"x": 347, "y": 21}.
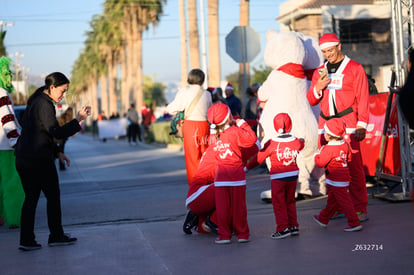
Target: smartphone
{"x": 321, "y": 72}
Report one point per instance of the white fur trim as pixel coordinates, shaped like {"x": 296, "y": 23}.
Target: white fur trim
{"x": 327, "y": 45}
{"x": 284, "y": 175}
{"x": 196, "y": 194}
{"x": 240, "y": 122}
{"x": 230, "y": 183}
{"x": 337, "y": 183}
{"x": 330, "y": 132}
{"x": 316, "y": 93}
{"x": 225, "y": 119}
{"x": 362, "y": 124}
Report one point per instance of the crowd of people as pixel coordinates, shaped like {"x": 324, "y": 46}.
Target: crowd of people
{"x": 222, "y": 142}
{"x": 217, "y": 182}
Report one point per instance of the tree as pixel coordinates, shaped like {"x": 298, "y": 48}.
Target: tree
{"x": 260, "y": 74}
{"x": 154, "y": 91}
{"x": 116, "y": 39}
{"x": 2, "y": 47}
{"x": 183, "y": 43}
{"x": 214, "y": 70}
{"x": 193, "y": 35}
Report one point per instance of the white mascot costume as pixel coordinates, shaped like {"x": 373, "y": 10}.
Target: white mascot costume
{"x": 292, "y": 55}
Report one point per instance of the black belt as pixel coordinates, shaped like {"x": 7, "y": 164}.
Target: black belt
{"x": 338, "y": 115}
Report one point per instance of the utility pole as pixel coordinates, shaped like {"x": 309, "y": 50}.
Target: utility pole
{"x": 5, "y": 24}
{"x": 17, "y": 55}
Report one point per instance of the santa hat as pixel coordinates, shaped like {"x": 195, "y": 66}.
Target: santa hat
{"x": 335, "y": 127}
{"x": 328, "y": 40}
{"x": 229, "y": 86}
{"x": 218, "y": 114}
{"x": 282, "y": 123}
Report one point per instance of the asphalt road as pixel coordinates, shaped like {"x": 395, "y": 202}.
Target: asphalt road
{"x": 126, "y": 206}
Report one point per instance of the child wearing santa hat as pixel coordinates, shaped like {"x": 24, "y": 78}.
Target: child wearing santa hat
{"x": 335, "y": 156}
{"x": 281, "y": 152}
{"x": 230, "y": 178}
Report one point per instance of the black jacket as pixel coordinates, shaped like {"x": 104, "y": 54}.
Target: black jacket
{"x": 39, "y": 129}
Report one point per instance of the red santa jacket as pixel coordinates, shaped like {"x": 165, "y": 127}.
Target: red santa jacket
{"x": 228, "y": 151}
{"x": 282, "y": 152}
{"x": 206, "y": 170}
{"x": 346, "y": 96}
{"x": 335, "y": 156}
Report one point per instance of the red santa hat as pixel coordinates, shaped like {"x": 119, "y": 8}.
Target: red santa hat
{"x": 335, "y": 127}
{"x": 282, "y": 123}
{"x": 210, "y": 89}
{"x": 328, "y": 40}
{"x": 229, "y": 86}
{"x": 218, "y": 114}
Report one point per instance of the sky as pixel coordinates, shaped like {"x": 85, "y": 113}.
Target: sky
{"x": 48, "y": 35}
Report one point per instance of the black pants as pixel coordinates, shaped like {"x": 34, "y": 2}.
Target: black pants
{"x": 133, "y": 132}
{"x": 39, "y": 175}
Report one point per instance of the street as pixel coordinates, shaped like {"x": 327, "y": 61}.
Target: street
{"x": 125, "y": 204}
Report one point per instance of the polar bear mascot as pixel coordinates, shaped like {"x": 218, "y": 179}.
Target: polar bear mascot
{"x": 293, "y": 56}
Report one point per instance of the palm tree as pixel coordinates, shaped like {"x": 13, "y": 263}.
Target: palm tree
{"x": 2, "y": 47}
{"x": 214, "y": 71}
{"x": 193, "y": 35}
{"x": 116, "y": 39}
{"x": 184, "y": 42}
{"x": 138, "y": 15}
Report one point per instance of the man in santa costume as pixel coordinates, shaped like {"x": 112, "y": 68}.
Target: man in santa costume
{"x": 340, "y": 86}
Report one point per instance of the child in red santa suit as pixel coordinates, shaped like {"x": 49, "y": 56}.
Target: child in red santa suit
{"x": 335, "y": 156}
{"x": 230, "y": 178}
{"x": 201, "y": 193}
{"x": 281, "y": 152}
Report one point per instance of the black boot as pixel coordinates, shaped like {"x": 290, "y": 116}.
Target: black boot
{"x": 212, "y": 226}
{"x": 191, "y": 220}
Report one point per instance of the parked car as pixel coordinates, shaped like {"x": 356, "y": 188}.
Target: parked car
{"x": 19, "y": 111}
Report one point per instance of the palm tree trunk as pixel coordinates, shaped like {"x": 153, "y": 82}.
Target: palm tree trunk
{"x": 104, "y": 94}
{"x": 138, "y": 87}
{"x": 214, "y": 71}
{"x": 112, "y": 85}
{"x": 93, "y": 98}
{"x": 183, "y": 44}
{"x": 244, "y": 75}
{"x": 193, "y": 35}
{"x": 125, "y": 96}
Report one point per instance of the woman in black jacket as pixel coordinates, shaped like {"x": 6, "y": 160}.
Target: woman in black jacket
{"x": 35, "y": 154}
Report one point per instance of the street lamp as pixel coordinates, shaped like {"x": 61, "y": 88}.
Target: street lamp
{"x": 5, "y": 24}
{"x": 17, "y": 55}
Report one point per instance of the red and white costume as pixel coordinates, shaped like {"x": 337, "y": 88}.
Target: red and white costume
{"x": 335, "y": 157}
{"x": 195, "y": 127}
{"x": 201, "y": 193}
{"x": 281, "y": 153}
{"x": 230, "y": 179}
{"x": 346, "y": 97}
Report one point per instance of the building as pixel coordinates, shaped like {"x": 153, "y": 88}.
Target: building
{"x": 363, "y": 26}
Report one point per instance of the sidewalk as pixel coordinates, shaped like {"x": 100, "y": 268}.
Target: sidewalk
{"x": 157, "y": 245}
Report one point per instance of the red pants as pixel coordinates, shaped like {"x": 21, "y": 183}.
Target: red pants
{"x": 231, "y": 211}
{"x": 357, "y": 184}
{"x": 195, "y": 134}
{"x": 338, "y": 197}
{"x": 203, "y": 203}
{"x": 284, "y": 204}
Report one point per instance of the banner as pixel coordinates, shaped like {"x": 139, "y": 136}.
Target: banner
{"x": 370, "y": 146}
{"x": 112, "y": 128}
